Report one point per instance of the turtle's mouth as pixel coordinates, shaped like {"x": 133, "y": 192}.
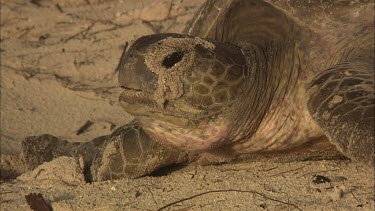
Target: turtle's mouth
{"x": 140, "y": 103}
{"x": 136, "y": 102}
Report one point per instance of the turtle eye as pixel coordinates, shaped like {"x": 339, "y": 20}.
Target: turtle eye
{"x": 172, "y": 59}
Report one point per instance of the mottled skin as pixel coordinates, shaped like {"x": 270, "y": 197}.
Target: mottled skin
{"x": 246, "y": 76}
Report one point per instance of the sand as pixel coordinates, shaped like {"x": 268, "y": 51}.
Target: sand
{"x": 58, "y": 61}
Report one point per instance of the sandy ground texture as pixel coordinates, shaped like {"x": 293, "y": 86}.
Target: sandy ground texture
{"x": 58, "y": 61}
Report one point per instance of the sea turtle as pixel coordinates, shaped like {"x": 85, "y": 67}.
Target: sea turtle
{"x": 245, "y": 76}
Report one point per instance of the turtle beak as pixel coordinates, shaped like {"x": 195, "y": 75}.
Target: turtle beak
{"x": 133, "y": 73}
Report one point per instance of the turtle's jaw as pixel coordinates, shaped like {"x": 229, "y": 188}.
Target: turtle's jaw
{"x": 142, "y": 104}
{"x": 136, "y": 102}
{"x": 204, "y": 137}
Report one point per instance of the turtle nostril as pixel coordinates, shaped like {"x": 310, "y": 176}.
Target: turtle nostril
{"x": 172, "y": 59}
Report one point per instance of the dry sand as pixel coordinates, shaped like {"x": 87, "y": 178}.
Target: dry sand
{"x": 57, "y": 73}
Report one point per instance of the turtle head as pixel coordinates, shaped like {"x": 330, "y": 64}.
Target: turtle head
{"x": 182, "y": 88}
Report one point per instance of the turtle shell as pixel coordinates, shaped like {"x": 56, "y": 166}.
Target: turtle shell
{"x": 237, "y": 21}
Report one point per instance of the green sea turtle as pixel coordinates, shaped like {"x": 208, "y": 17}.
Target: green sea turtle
{"x": 245, "y": 76}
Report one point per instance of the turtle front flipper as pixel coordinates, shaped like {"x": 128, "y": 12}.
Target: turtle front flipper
{"x": 341, "y": 100}
{"x": 131, "y": 153}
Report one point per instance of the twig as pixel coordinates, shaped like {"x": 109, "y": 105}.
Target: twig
{"x": 36, "y": 2}
{"x": 115, "y": 27}
{"x": 83, "y": 33}
{"x": 355, "y": 196}
{"x": 265, "y": 170}
{"x": 229, "y": 190}
{"x": 59, "y": 8}
{"x": 25, "y": 31}
{"x": 148, "y": 188}
{"x": 284, "y": 172}
{"x": 152, "y": 195}
{"x": 170, "y": 8}
{"x": 84, "y": 127}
